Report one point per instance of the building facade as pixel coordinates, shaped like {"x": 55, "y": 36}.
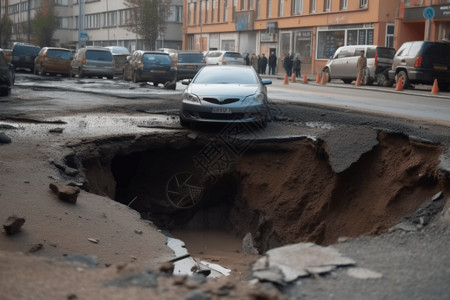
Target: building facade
{"x": 103, "y": 23}
{"x": 311, "y": 29}
{"x": 422, "y": 20}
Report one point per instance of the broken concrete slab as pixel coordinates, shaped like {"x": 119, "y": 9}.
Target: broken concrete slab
{"x": 64, "y": 192}
{"x": 346, "y": 148}
{"x": 300, "y": 260}
{"x": 13, "y": 224}
{"x": 362, "y": 273}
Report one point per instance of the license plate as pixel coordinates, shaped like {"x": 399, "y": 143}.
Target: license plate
{"x": 159, "y": 71}
{"x": 444, "y": 68}
{"x": 191, "y": 67}
{"x": 221, "y": 110}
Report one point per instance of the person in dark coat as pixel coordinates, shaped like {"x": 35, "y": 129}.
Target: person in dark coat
{"x": 288, "y": 64}
{"x": 263, "y": 64}
{"x": 272, "y": 63}
{"x": 247, "y": 60}
{"x": 297, "y": 66}
{"x": 259, "y": 64}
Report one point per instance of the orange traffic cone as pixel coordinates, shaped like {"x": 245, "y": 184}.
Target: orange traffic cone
{"x": 358, "y": 80}
{"x": 399, "y": 86}
{"x": 324, "y": 78}
{"x": 305, "y": 78}
{"x": 435, "y": 89}
{"x": 293, "y": 78}
{"x": 286, "y": 79}
{"x": 318, "y": 78}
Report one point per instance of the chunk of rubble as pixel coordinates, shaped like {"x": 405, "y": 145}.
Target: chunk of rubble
{"x": 299, "y": 260}
{"x": 64, "y": 192}
{"x": 13, "y": 224}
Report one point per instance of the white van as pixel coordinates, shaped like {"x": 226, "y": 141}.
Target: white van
{"x": 343, "y": 64}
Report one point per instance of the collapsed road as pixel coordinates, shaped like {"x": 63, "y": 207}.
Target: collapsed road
{"x": 365, "y": 195}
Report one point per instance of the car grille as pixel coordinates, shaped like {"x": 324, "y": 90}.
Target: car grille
{"x": 216, "y": 101}
{"x": 211, "y": 116}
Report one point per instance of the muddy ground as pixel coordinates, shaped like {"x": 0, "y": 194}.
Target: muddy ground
{"x": 381, "y": 199}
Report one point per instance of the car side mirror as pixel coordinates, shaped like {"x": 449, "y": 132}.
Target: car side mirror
{"x": 185, "y": 81}
{"x": 266, "y": 81}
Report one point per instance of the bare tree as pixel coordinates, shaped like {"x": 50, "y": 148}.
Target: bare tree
{"x": 148, "y": 19}
{"x": 43, "y": 23}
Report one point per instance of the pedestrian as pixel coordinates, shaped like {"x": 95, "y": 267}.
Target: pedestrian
{"x": 288, "y": 64}
{"x": 263, "y": 64}
{"x": 259, "y": 64}
{"x": 272, "y": 63}
{"x": 254, "y": 62}
{"x": 361, "y": 66}
{"x": 247, "y": 60}
{"x": 297, "y": 66}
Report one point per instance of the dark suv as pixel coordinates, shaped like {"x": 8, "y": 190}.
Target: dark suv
{"x": 421, "y": 62}
{"x": 23, "y": 56}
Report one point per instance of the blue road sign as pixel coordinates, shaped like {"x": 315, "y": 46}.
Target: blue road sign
{"x": 429, "y": 13}
{"x": 84, "y": 37}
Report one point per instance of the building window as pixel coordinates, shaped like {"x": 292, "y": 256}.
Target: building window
{"x": 92, "y": 21}
{"x": 312, "y": 6}
{"x": 62, "y": 22}
{"x": 269, "y": 8}
{"x": 124, "y": 15}
{"x": 242, "y": 5}
{"x": 281, "y": 8}
{"x": 225, "y": 10}
{"x": 363, "y": 3}
{"x": 258, "y": 9}
{"x": 390, "y": 35}
{"x": 328, "y": 42}
{"x": 344, "y": 4}
{"x": 327, "y": 5}
{"x": 297, "y": 7}
{"x": 110, "y": 19}
{"x": 250, "y": 5}
{"x": 62, "y": 2}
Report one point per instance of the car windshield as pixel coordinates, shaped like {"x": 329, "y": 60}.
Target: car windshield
{"x": 385, "y": 52}
{"x": 190, "y": 58}
{"x": 436, "y": 53}
{"x": 231, "y": 75}
{"x": 158, "y": 59}
{"x": 62, "y": 54}
{"x": 26, "y": 50}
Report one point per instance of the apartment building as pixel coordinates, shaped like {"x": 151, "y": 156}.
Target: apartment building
{"x": 103, "y": 23}
{"x": 312, "y": 29}
{"x": 422, "y": 20}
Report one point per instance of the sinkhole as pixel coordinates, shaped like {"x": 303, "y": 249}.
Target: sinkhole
{"x": 280, "y": 192}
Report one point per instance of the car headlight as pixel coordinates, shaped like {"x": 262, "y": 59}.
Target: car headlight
{"x": 256, "y": 98}
{"x": 190, "y": 98}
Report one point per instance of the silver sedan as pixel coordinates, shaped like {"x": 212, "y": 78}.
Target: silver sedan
{"x": 223, "y": 94}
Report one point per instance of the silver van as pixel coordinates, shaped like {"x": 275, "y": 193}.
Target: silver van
{"x": 343, "y": 64}
{"x": 93, "y": 61}
{"x": 220, "y": 57}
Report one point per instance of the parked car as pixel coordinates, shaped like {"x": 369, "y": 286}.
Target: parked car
{"x": 23, "y": 56}
{"x": 188, "y": 64}
{"x": 120, "y": 55}
{"x": 220, "y": 57}
{"x": 53, "y": 61}
{"x": 153, "y": 66}
{"x": 225, "y": 94}
{"x": 343, "y": 64}
{"x": 421, "y": 62}
{"x": 6, "y": 75}
{"x": 8, "y": 54}
{"x": 93, "y": 61}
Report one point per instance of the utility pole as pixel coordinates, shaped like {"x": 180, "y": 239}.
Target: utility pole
{"x": 29, "y": 21}
{"x": 429, "y": 24}
{"x": 80, "y": 21}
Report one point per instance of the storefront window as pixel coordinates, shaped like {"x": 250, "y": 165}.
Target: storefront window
{"x": 303, "y": 45}
{"x": 285, "y": 45}
{"x": 328, "y": 42}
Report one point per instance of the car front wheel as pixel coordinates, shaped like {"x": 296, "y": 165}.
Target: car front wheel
{"x": 405, "y": 80}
